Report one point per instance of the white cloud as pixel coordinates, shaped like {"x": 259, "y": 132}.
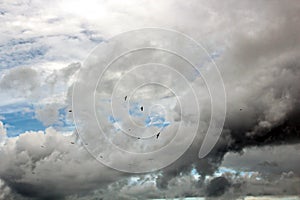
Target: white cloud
{"x": 2, "y": 134}
{"x": 2, "y": 129}
{"x": 49, "y": 160}
{"x": 259, "y": 63}
{"x": 49, "y": 114}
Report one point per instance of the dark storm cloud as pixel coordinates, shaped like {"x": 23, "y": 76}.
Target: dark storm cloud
{"x": 261, "y": 70}
{"x": 217, "y": 186}
{"x": 260, "y": 65}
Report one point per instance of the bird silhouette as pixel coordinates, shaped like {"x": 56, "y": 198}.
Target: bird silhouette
{"x": 157, "y": 135}
{"x": 125, "y": 98}
{"x": 142, "y": 108}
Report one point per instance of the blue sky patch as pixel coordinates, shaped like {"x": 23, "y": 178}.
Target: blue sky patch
{"x": 19, "y": 122}
{"x": 135, "y": 110}
{"x": 112, "y": 119}
{"x": 156, "y": 120}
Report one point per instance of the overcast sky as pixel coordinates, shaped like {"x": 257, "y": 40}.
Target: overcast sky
{"x": 50, "y": 146}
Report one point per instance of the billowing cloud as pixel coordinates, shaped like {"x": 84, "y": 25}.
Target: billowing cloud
{"x": 267, "y": 160}
{"x": 20, "y": 82}
{"x": 50, "y": 164}
{"x": 2, "y": 129}
{"x": 217, "y": 186}
{"x": 256, "y": 46}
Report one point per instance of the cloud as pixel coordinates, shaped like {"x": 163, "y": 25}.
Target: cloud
{"x": 259, "y": 62}
{"x": 20, "y": 82}
{"x": 48, "y": 164}
{"x": 285, "y": 184}
{"x": 217, "y": 186}
{"x": 2, "y": 133}
{"x": 49, "y": 114}
{"x": 267, "y": 160}
{"x": 259, "y": 71}
{"x": 2, "y": 129}
{"x": 5, "y": 192}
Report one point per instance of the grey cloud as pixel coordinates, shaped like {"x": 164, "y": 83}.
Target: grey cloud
{"x": 5, "y": 192}
{"x": 21, "y": 81}
{"x": 252, "y": 186}
{"x": 267, "y": 160}
{"x": 217, "y": 186}
{"x": 260, "y": 67}
{"x": 48, "y": 114}
{"x": 48, "y": 165}
{"x": 260, "y": 71}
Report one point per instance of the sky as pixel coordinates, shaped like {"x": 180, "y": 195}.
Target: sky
{"x": 149, "y": 99}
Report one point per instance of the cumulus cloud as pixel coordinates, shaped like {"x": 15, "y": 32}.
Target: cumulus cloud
{"x": 263, "y": 105}
{"x": 2, "y": 129}
{"x": 20, "y": 82}
{"x": 267, "y": 160}
{"x": 50, "y": 164}
{"x": 49, "y": 114}
{"x": 2, "y": 132}
{"x": 5, "y": 192}
{"x": 36, "y": 84}
{"x": 256, "y": 185}
{"x": 217, "y": 186}
{"x": 256, "y": 46}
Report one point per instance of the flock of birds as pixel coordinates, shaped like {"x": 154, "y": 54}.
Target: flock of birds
{"x": 125, "y": 98}
{"x": 142, "y": 109}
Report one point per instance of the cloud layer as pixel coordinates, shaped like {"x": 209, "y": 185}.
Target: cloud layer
{"x": 256, "y": 46}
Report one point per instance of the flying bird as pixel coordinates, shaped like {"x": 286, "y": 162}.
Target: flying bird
{"x": 157, "y": 135}
{"x": 125, "y": 98}
{"x": 70, "y": 110}
{"x": 72, "y": 142}
{"x": 142, "y": 108}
